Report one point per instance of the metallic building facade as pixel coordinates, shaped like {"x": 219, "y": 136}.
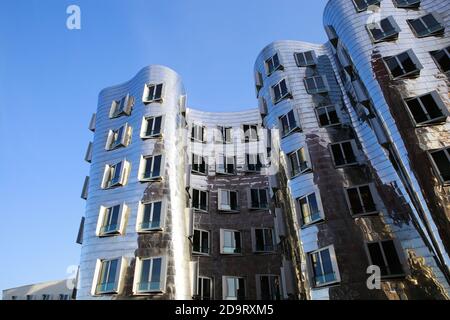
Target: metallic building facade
{"x": 334, "y": 188}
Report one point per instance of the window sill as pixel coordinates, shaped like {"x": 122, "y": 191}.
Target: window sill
{"x": 201, "y": 254}
{"x": 326, "y": 285}
{"x": 156, "y": 179}
{"x": 156, "y": 136}
{"x": 146, "y": 231}
{"x": 368, "y": 214}
{"x": 313, "y": 223}
{"x": 199, "y": 173}
{"x": 161, "y": 100}
{"x": 199, "y": 210}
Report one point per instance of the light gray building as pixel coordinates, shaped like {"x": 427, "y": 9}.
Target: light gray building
{"x": 51, "y": 290}
{"x": 343, "y": 169}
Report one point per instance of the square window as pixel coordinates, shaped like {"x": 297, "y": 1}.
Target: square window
{"x": 108, "y": 276}
{"x": 201, "y": 242}
{"x": 384, "y": 255}
{"x": 119, "y": 138}
{"x": 122, "y": 107}
{"x": 324, "y": 267}
{"x": 344, "y": 153}
{"x": 316, "y": 85}
{"x": 115, "y": 175}
{"x": 428, "y": 25}
{"x": 403, "y": 65}
{"x": 198, "y": 133}
{"x": 289, "y": 123}
{"x": 226, "y": 165}
{"x": 264, "y": 240}
{"x": 199, "y": 164}
{"x": 200, "y": 200}
{"x": 408, "y": 4}
{"x": 151, "y": 127}
{"x": 299, "y": 162}
{"x": 150, "y": 275}
{"x": 110, "y": 219}
{"x": 427, "y": 109}
{"x": 250, "y": 132}
{"x": 441, "y": 163}
{"x": 270, "y": 287}
{"x": 253, "y": 162}
{"x": 259, "y": 199}
{"x": 204, "y": 288}
{"x": 273, "y": 64}
{"x": 151, "y": 168}
{"x": 310, "y": 210}
{"x": 327, "y": 116}
{"x": 305, "y": 59}
{"x": 280, "y": 91}
{"x": 361, "y": 200}
{"x": 233, "y": 288}
{"x": 363, "y": 5}
{"x": 228, "y": 200}
{"x": 442, "y": 59}
{"x": 153, "y": 93}
{"x": 230, "y": 242}
{"x": 225, "y": 134}
{"x": 386, "y": 29}
{"x": 150, "y": 216}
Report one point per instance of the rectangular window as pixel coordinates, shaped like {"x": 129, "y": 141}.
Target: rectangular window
{"x": 153, "y": 93}
{"x": 46, "y": 297}
{"x": 428, "y": 25}
{"x": 403, "y": 65}
{"x": 270, "y": 288}
{"x": 230, "y": 242}
{"x": 250, "y": 132}
{"x": 384, "y": 30}
{"x": 108, "y": 280}
{"x": 253, "y": 162}
{"x": 305, "y": 59}
{"x": 384, "y": 255}
{"x": 119, "y": 138}
{"x": 258, "y": 199}
{"x": 442, "y": 59}
{"x": 273, "y": 64}
{"x": 199, "y": 164}
{"x": 310, "y": 211}
{"x": 115, "y": 175}
{"x": 259, "y": 83}
{"x": 407, "y": 3}
{"x": 362, "y": 5}
{"x": 228, "y": 200}
{"x": 264, "y": 240}
{"x": 198, "y": 133}
{"x": 289, "y": 123}
{"x": 151, "y": 127}
{"x": 150, "y": 275}
{"x": 64, "y": 297}
{"x": 427, "y": 109}
{"x": 225, "y": 134}
{"x": 361, "y": 201}
{"x": 150, "y": 216}
{"x": 280, "y": 91}
{"x": 324, "y": 267}
{"x": 299, "y": 162}
{"x": 226, "y": 165}
{"x": 233, "y": 288}
{"x": 344, "y": 153}
{"x": 200, "y": 200}
{"x": 327, "y": 116}
{"x": 151, "y": 168}
{"x": 316, "y": 84}
{"x": 121, "y": 107}
{"x": 205, "y": 288}
{"x": 30, "y": 297}
{"x": 200, "y": 242}
{"x": 441, "y": 162}
{"x": 111, "y": 220}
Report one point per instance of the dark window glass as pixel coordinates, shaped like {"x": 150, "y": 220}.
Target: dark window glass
{"x": 442, "y": 58}
{"x": 442, "y": 160}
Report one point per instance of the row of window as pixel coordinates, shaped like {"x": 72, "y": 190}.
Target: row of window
{"x": 43, "y": 297}
{"x": 363, "y": 5}
{"x": 224, "y": 134}
{"x": 150, "y": 278}
{"x": 227, "y": 164}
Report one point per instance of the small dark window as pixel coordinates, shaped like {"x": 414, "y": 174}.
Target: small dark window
{"x": 259, "y": 199}
{"x": 198, "y": 133}
{"x": 362, "y": 5}
{"x": 280, "y": 91}
{"x": 264, "y": 240}
{"x": 289, "y": 123}
{"x": 343, "y": 153}
{"x": 273, "y": 64}
{"x": 384, "y": 255}
{"x": 386, "y": 29}
{"x": 309, "y": 208}
{"x": 199, "y": 164}
{"x": 152, "y": 127}
{"x": 442, "y": 58}
{"x": 299, "y": 162}
{"x": 305, "y": 59}
{"x": 427, "y": 25}
{"x": 111, "y": 221}
{"x": 200, "y": 200}
{"x": 316, "y": 84}
{"x": 361, "y": 200}
{"x": 231, "y": 241}
{"x": 407, "y": 3}
{"x": 427, "y": 109}
{"x": 441, "y": 161}
{"x": 152, "y": 168}
{"x": 324, "y": 267}
{"x": 253, "y": 162}
{"x": 327, "y": 116}
{"x": 153, "y": 93}
{"x": 200, "y": 242}
{"x": 151, "y": 216}
{"x": 270, "y": 287}
{"x": 204, "y": 286}
{"x": 250, "y": 132}
{"x": 403, "y": 65}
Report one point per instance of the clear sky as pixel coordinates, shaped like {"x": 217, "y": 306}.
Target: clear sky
{"x": 50, "y": 78}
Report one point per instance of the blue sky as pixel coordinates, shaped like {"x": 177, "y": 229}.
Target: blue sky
{"x": 50, "y": 78}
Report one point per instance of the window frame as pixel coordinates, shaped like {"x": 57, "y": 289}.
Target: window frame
{"x": 251, "y": 128}
{"x": 254, "y": 240}
{"x": 359, "y": 10}
{"x": 222, "y": 133}
{"x": 275, "y": 67}
{"x": 437, "y": 171}
{"x": 143, "y": 166}
{"x": 118, "y": 277}
{"x": 385, "y": 37}
{"x": 292, "y": 173}
{"x": 147, "y": 89}
{"x": 200, "y": 191}
{"x": 316, "y": 110}
{"x": 373, "y": 194}
{"x": 122, "y": 107}
{"x": 285, "y": 118}
{"x": 204, "y": 162}
{"x": 202, "y": 232}
{"x": 400, "y": 257}
{"x": 283, "y": 96}
{"x": 334, "y": 265}
{"x": 259, "y": 295}
{"x": 321, "y": 216}
{"x": 222, "y": 160}
{"x": 113, "y": 142}
{"x": 406, "y": 75}
{"x": 200, "y": 279}
{"x": 220, "y": 206}
{"x": 141, "y": 214}
{"x": 144, "y": 127}
{"x": 196, "y": 130}
{"x": 121, "y": 220}
{"x": 257, "y": 166}
{"x": 446, "y": 51}
{"x": 138, "y": 276}
{"x": 316, "y": 89}
{"x": 439, "y": 103}
{"x": 251, "y": 207}
{"x": 237, "y": 250}
{"x": 429, "y": 33}
{"x": 107, "y": 182}
{"x": 225, "y": 293}
{"x": 355, "y": 149}
{"x": 415, "y": 4}
{"x": 305, "y": 62}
